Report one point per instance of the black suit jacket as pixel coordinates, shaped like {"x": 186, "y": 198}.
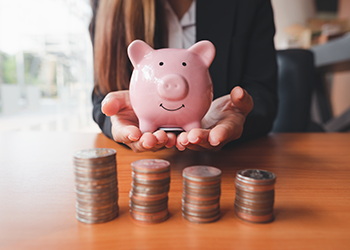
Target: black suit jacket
{"x": 242, "y": 32}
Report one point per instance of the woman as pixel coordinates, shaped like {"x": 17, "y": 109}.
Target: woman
{"x": 243, "y": 71}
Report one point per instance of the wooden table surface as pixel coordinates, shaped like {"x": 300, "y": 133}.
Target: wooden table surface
{"x": 312, "y": 202}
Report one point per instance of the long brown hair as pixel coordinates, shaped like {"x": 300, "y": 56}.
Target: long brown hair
{"x": 118, "y": 23}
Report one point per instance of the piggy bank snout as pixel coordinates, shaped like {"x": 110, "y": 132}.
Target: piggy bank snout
{"x": 173, "y": 87}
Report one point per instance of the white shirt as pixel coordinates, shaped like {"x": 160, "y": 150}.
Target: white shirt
{"x": 181, "y": 34}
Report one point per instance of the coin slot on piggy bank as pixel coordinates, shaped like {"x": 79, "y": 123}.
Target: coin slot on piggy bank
{"x": 170, "y": 89}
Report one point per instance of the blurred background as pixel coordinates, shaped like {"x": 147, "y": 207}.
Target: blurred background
{"x": 46, "y": 72}
{"x": 322, "y": 26}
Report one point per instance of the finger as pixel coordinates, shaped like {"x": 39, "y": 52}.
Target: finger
{"x": 224, "y": 132}
{"x": 146, "y": 143}
{"x": 126, "y": 134}
{"x": 198, "y": 136}
{"x": 162, "y": 137}
{"x": 150, "y": 142}
{"x": 218, "y": 134}
{"x": 114, "y": 102}
{"x": 171, "y": 140}
{"x": 195, "y": 147}
{"x": 182, "y": 141}
{"x": 197, "y": 140}
{"x": 242, "y": 100}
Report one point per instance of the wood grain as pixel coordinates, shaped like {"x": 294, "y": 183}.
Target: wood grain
{"x": 37, "y": 201}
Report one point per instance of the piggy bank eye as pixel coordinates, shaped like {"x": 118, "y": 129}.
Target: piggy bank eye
{"x": 161, "y": 64}
{"x": 184, "y": 64}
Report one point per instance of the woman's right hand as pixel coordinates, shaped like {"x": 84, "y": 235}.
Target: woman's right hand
{"x": 125, "y": 125}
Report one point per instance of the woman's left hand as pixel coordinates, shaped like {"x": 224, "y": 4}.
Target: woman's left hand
{"x": 223, "y": 123}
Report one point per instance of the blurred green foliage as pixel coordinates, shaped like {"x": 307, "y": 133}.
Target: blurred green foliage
{"x": 8, "y": 73}
{"x": 8, "y": 68}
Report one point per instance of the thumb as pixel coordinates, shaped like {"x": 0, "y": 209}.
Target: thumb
{"x": 114, "y": 102}
{"x": 242, "y": 100}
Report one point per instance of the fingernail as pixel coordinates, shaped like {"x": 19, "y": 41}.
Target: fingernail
{"x": 242, "y": 94}
{"x": 197, "y": 140}
{"x": 132, "y": 138}
{"x": 184, "y": 144}
{"x": 106, "y": 100}
{"x": 145, "y": 145}
{"x": 214, "y": 143}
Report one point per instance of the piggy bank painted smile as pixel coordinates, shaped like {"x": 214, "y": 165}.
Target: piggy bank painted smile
{"x": 170, "y": 88}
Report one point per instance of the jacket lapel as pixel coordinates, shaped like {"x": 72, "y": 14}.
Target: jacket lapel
{"x": 215, "y": 20}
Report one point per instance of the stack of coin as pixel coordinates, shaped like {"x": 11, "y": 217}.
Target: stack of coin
{"x": 96, "y": 185}
{"x": 201, "y": 194}
{"x": 149, "y": 191}
{"x": 255, "y": 195}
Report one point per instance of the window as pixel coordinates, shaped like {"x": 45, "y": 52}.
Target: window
{"x": 46, "y": 72}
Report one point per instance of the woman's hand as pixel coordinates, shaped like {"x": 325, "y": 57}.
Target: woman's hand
{"x": 222, "y": 123}
{"x": 125, "y": 125}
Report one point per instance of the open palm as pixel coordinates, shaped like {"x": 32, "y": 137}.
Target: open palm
{"x": 125, "y": 125}
{"x": 223, "y": 123}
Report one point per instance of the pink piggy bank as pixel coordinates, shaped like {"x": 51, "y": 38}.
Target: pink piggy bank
{"x": 170, "y": 88}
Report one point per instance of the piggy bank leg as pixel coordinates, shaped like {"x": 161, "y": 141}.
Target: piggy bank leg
{"x": 146, "y": 126}
{"x": 191, "y": 126}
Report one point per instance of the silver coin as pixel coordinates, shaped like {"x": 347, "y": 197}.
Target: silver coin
{"x": 202, "y": 173}
{"x": 94, "y": 153}
{"x": 150, "y": 166}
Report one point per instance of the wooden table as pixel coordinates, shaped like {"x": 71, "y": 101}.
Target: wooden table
{"x": 312, "y": 203}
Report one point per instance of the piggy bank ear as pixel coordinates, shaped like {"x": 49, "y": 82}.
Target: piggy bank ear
{"x": 206, "y": 50}
{"x": 137, "y": 51}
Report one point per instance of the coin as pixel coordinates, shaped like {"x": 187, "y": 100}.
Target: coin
{"x": 198, "y": 220}
{"x": 95, "y": 220}
{"x": 253, "y": 211}
{"x": 148, "y": 203}
{"x": 94, "y": 164}
{"x": 106, "y": 201}
{"x": 202, "y": 173}
{"x": 151, "y": 176}
{"x": 94, "y": 153}
{"x": 256, "y": 174}
{"x": 148, "y": 197}
{"x": 150, "y": 217}
{"x": 97, "y": 175}
{"x": 150, "y": 166}
{"x": 254, "y": 203}
{"x": 200, "y": 202}
{"x": 255, "y": 177}
{"x": 149, "y": 190}
{"x": 201, "y": 185}
{"x": 96, "y": 195}
{"x": 254, "y": 195}
{"x": 147, "y": 208}
{"x": 201, "y": 194}
{"x": 96, "y": 185}
{"x": 151, "y": 182}
{"x": 254, "y": 218}
{"x": 200, "y": 213}
{"x": 198, "y": 207}
{"x": 95, "y": 188}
